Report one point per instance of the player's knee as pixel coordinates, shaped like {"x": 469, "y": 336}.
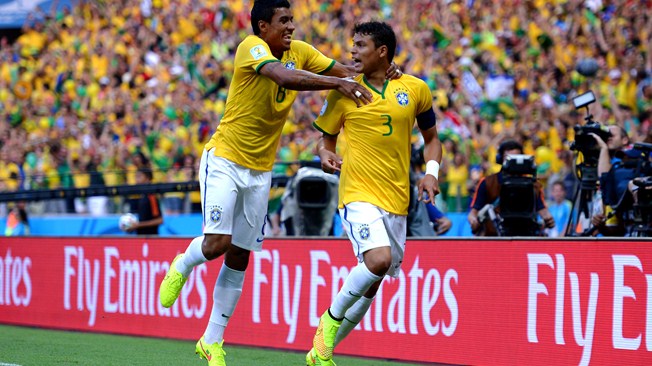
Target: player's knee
{"x": 378, "y": 261}
{"x": 215, "y": 245}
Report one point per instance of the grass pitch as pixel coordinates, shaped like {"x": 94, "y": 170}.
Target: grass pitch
{"x": 31, "y": 346}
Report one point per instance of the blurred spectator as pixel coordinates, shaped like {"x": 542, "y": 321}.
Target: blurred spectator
{"x": 17, "y": 221}
{"x": 560, "y": 209}
{"x": 97, "y": 205}
{"x": 424, "y": 219}
{"x": 149, "y": 211}
{"x": 173, "y": 201}
{"x": 457, "y": 177}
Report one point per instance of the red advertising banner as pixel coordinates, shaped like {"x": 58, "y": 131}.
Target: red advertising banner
{"x": 456, "y": 301}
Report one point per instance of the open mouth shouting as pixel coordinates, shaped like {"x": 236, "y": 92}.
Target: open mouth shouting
{"x": 357, "y": 64}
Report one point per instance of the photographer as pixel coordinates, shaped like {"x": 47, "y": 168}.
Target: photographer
{"x": 488, "y": 193}
{"x": 612, "y": 150}
{"x": 615, "y": 172}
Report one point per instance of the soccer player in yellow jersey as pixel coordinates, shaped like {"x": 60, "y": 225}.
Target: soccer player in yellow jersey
{"x": 235, "y": 168}
{"x": 374, "y": 181}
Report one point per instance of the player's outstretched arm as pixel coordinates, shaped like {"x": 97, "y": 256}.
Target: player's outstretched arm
{"x": 342, "y": 71}
{"x": 304, "y": 80}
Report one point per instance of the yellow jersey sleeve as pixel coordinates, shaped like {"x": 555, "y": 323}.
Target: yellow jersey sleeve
{"x": 314, "y": 61}
{"x": 252, "y": 54}
{"x": 424, "y": 96}
{"x": 332, "y": 114}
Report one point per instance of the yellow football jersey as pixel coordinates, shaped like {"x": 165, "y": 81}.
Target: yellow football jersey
{"x": 257, "y": 107}
{"x": 376, "y": 161}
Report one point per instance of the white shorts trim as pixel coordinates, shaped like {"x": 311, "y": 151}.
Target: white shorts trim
{"x": 234, "y": 200}
{"x": 369, "y": 227}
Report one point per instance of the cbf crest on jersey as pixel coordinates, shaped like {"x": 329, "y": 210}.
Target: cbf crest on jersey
{"x": 402, "y": 97}
{"x": 290, "y": 65}
{"x": 216, "y": 214}
{"x": 364, "y": 232}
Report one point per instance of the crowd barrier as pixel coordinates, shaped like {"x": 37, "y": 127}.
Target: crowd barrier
{"x": 457, "y": 301}
{"x": 173, "y": 225}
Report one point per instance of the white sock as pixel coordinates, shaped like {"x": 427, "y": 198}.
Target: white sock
{"x": 355, "y": 285}
{"x": 352, "y": 317}
{"x": 192, "y": 257}
{"x": 226, "y": 294}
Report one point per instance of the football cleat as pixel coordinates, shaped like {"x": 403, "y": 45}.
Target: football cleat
{"x": 313, "y": 360}
{"x": 213, "y": 353}
{"x": 324, "y": 340}
{"x": 172, "y": 284}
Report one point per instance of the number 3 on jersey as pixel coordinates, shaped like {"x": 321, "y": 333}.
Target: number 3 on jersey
{"x": 388, "y": 123}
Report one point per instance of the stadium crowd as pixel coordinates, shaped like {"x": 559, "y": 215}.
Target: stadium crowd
{"x": 90, "y": 94}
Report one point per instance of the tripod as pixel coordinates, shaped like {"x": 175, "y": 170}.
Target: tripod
{"x": 583, "y": 197}
{"x": 642, "y": 227}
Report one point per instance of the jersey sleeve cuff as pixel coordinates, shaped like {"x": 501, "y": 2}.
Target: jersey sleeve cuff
{"x": 315, "y": 125}
{"x": 263, "y": 64}
{"x": 328, "y": 68}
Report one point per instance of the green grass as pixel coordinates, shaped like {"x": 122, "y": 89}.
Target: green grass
{"x": 32, "y": 346}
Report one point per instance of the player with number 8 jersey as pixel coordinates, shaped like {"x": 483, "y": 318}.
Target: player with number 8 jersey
{"x": 259, "y": 106}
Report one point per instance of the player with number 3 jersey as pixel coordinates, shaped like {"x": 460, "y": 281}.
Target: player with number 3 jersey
{"x": 374, "y": 182}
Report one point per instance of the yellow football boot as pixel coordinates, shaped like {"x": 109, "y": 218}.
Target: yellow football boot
{"x": 172, "y": 284}
{"x": 324, "y": 340}
{"x": 313, "y": 360}
{"x": 213, "y": 353}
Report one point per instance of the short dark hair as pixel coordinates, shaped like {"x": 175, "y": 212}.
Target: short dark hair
{"x": 264, "y": 10}
{"x": 509, "y": 145}
{"x": 381, "y": 33}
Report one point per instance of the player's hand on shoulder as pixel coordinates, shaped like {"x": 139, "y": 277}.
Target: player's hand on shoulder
{"x": 394, "y": 72}
{"x": 355, "y": 91}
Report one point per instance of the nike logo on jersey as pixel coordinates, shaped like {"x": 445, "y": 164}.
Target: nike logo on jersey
{"x": 259, "y": 240}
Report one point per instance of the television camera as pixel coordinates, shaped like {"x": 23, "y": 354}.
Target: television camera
{"x": 587, "y": 169}
{"x": 584, "y": 142}
{"x": 644, "y": 165}
{"x": 518, "y": 215}
{"x": 642, "y": 218}
{"x": 634, "y": 205}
